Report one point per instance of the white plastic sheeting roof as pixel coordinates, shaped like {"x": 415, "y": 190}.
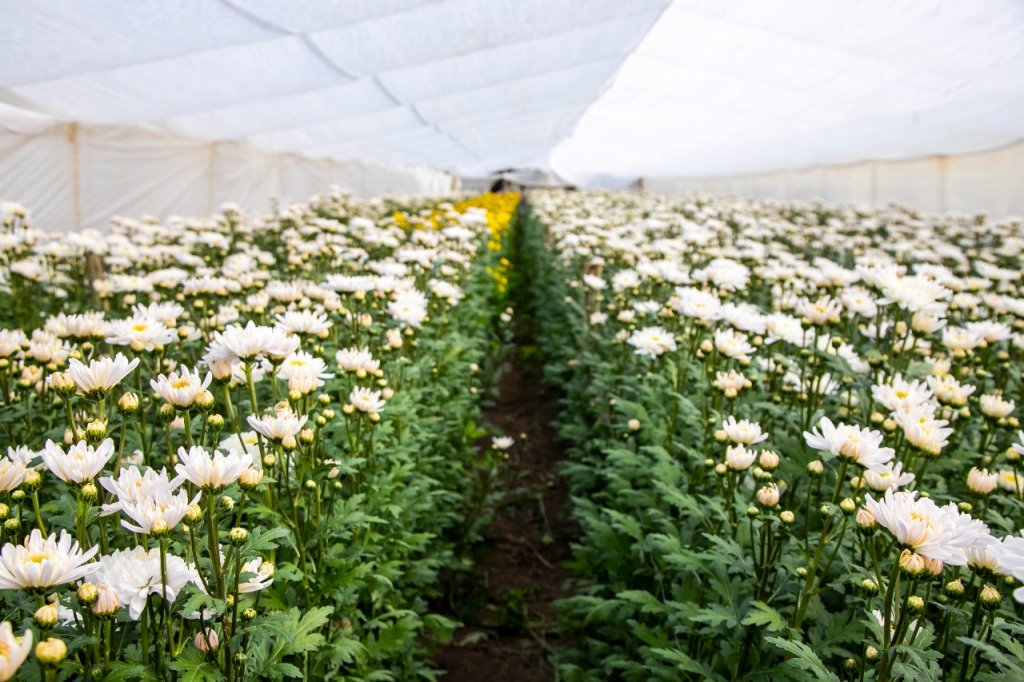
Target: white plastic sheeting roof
{"x": 616, "y": 87}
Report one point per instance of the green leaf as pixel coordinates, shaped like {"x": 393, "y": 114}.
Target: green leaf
{"x": 763, "y": 615}
{"x": 803, "y": 658}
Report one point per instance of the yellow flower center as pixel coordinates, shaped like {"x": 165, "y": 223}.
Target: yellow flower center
{"x": 180, "y": 383}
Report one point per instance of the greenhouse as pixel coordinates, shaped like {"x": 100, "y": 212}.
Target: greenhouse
{"x": 467, "y": 340}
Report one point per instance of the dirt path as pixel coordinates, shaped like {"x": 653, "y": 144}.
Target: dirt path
{"x": 507, "y": 602}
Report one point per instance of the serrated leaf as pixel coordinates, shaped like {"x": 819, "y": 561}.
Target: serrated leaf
{"x": 803, "y": 658}
{"x": 763, "y": 615}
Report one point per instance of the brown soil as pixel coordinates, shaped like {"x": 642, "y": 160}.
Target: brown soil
{"x": 507, "y": 601}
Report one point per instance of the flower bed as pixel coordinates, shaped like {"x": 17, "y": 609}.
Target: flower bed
{"x": 796, "y": 444}
{"x": 241, "y": 447}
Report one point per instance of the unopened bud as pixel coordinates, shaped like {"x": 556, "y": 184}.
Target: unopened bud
{"x": 205, "y": 400}
{"x": 33, "y": 479}
{"x": 88, "y": 492}
{"x": 238, "y": 536}
{"x": 990, "y": 597}
{"x": 46, "y": 616}
{"x": 206, "y": 641}
{"x": 250, "y": 479}
{"x": 129, "y": 403}
{"x": 51, "y": 651}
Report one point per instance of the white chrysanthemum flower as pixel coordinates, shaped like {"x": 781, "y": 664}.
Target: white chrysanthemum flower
{"x": 41, "y": 563}
{"x": 409, "y": 307}
{"x": 940, "y": 533}
{"x": 651, "y": 342}
{"x": 140, "y": 332}
{"x": 731, "y": 383}
{"x": 279, "y": 425}
{"x": 211, "y": 472}
{"x": 739, "y": 458}
{"x": 248, "y": 343}
{"x": 358, "y": 360}
{"x": 1010, "y": 555}
{"x": 13, "y": 650}
{"x": 996, "y": 407}
{"x": 303, "y": 372}
{"x": 366, "y": 400}
{"x": 152, "y": 499}
{"x": 732, "y": 344}
{"x": 100, "y": 375}
{"x": 502, "y": 442}
{"x": 80, "y": 463}
{"x": 245, "y": 443}
{"x": 304, "y": 322}
{"x": 14, "y": 467}
{"x": 899, "y": 395}
{"x": 950, "y": 391}
{"x": 262, "y": 575}
{"x": 853, "y": 443}
{"x": 887, "y": 477}
{"x": 743, "y": 431}
{"x": 134, "y": 574}
{"x": 181, "y": 387}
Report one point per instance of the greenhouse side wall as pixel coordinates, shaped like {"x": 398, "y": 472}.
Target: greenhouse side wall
{"x": 74, "y": 176}
{"x": 991, "y": 181}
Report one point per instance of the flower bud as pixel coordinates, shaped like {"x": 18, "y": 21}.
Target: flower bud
{"x": 18, "y": 496}
{"x": 96, "y": 431}
{"x": 226, "y": 503}
{"x": 990, "y": 597}
{"x": 129, "y": 403}
{"x": 768, "y": 459}
{"x": 954, "y": 588}
{"x": 915, "y": 604}
{"x": 787, "y": 517}
{"x": 633, "y": 424}
{"x": 107, "y": 603}
{"x": 87, "y": 593}
{"x": 216, "y": 422}
{"x": 160, "y": 529}
{"x": 847, "y": 505}
{"x": 866, "y": 521}
{"x": 912, "y": 563}
{"x": 5, "y": 511}
{"x": 288, "y": 442}
{"x": 753, "y": 511}
{"x": 238, "y": 536}
{"x": 249, "y": 613}
{"x": 768, "y": 496}
{"x": 869, "y": 586}
{"x": 310, "y": 484}
{"x": 88, "y": 492}
{"x": 62, "y": 383}
{"x": 269, "y": 460}
{"x": 46, "y": 616}
{"x": 206, "y": 641}
{"x": 205, "y": 400}
{"x": 51, "y": 651}
{"x": 871, "y": 653}
{"x": 33, "y": 479}
{"x": 166, "y": 413}
{"x": 250, "y": 479}
{"x": 12, "y": 524}
{"x": 307, "y": 436}
{"x": 815, "y": 467}
{"x": 193, "y": 513}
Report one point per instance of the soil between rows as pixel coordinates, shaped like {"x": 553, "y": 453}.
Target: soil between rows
{"x": 507, "y": 601}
